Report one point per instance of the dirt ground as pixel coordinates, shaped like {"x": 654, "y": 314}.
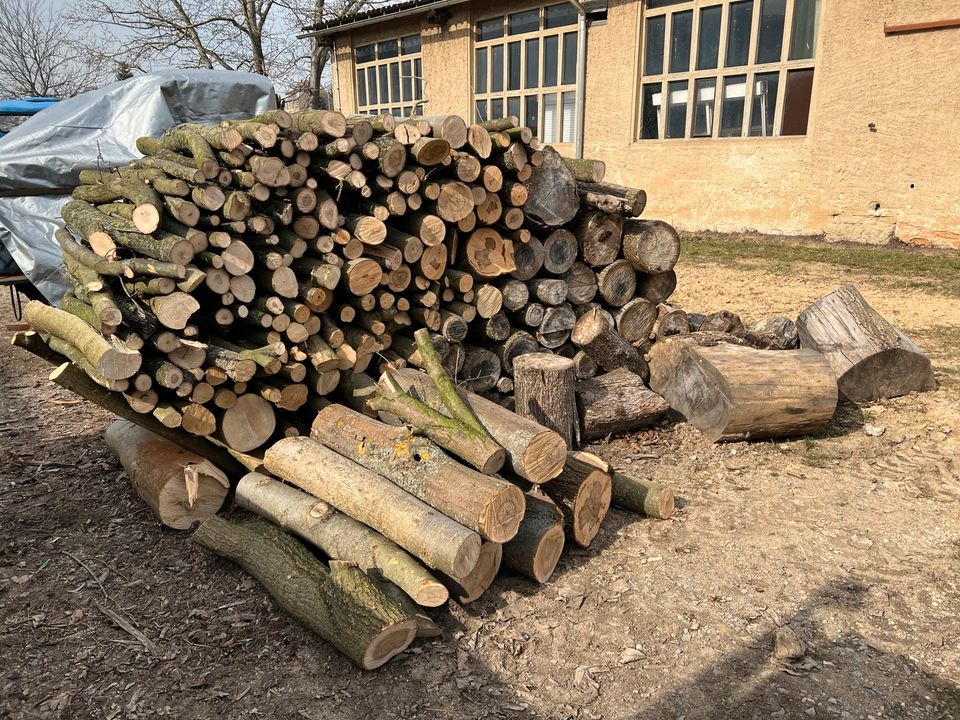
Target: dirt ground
{"x": 846, "y": 542}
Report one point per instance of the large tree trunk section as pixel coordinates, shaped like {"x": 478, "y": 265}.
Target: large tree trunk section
{"x": 617, "y": 402}
{"x": 339, "y": 536}
{"x": 467, "y": 589}
{"x": 375, "y": 501}
{"x": 582, "y": 492}
{"x": 552, "y": 192}
{"x": 533, "y": 451}
{"x": 730, "y": 392}
{"x": 651, "y": 246}
{"x": 340, "y": 604}
{"x": 600, "y": 237}
{"x": 608, "y": 349}
{"x": 871, "y": 358}
{"x": 180, "y": 487}
{"x": 490, "y": 506}
{"x": 536, "y": 549}
{"x": 544, "y": 391}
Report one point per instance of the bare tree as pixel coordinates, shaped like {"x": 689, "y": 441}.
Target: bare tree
{"x": 40, "y": 55}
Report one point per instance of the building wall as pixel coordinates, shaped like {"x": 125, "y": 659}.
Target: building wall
{"x": 843, "y": 179}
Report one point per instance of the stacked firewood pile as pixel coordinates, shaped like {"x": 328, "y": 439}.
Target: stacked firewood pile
{"x": 236, "y": 291}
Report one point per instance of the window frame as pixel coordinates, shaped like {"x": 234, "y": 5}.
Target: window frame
{"x": 379, "y": 66}
{"x": 720, "y": 73}
{"x": 540, "y": 92}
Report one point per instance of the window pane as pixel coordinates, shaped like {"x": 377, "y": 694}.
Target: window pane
{"x": 704, "y": 102}
{"x": 490, "y": 29}
{"x": 406, "y": 73}
{"x": 681, "y": 28}
{"x": 482, "y": 111}
{"x": 410, "y": 45}
{"x": 513, "y": 106}
{"x": 650, "y": 112}
{"x": 513, "y": 66}
{"x": 796, "y": 102}
{"x": 651, "y": 4}
{"x": 708, "y": 44}
{"x": 569, "y": 123}
{"x": 418, "y": 79}
{"x": 653, "y": 49}
{"x": 738, "y": 33}
{"x": 496, "y": 68}
{"x": 382, "y": 72}
{"x": 365, "y": 53}
{"x": 394, "y": 82}
{"x": 560, "y": 15}
{"x": 532, "y": 75}
{"x": 496, "y": 108}
{"x": 764, "y": 104}
{"x": 569, "y": 58}
{"x": 770, "y": 37}
{"x": 361, "y": 88}
{"x": 532, "y": 114}
{"x": 731, "y": 120}
{"x": 803, "y": 34}
{"x": 387, "y": 49}
{"x": 480, "y": 85}
{"x": 550, "y": 118}
{"x": 523, "y": 22}
{"x": 372, "y": 86}
{"x": 407, "y": 110}
{"x": 551, "y": 44}
{"x": 677, "y": 92}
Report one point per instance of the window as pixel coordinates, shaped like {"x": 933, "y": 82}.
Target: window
{"x": 525, "y": 64}
{"x": 727, "y": 68}
{"x": 390, "y": 77}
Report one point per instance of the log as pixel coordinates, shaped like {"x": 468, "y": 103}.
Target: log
{"x": 554, "y": 329}
{"x": 536, "y": 548}
{"x": 599, "y": 235}
{"x": 339, "y": 536}
{"x": 341, "y": 604}
{"x": 581, "y": 283}
{"x": 626, "y": 201}
{"x": 617, "y": 402}
{"x": 180, "y": 487}
{"x": 560, "y": 251}
{"x": 601, "y": 341}
{"x": 636, "y": 319}
{"x": 515, "y": 294}
{"x": 544, "y": 391}
{"x": 489, "y": 254}
{"x": 617, "y": 283}
{"x": 519, "y": 343}
{"x": 528, "y": 258}
{"x": 481, "y": 370}
{"x": 582, "y": 493}
{"x": 549, "y": 291}
{"x": 490, "y": 506}
{"x": 870, "y": 358}
{"x": 651, "y": 246}
{"x": 552, "y": 192}
{"x": 586, "y": 170}
{"x": 440, "y": 542}
{"x": 642, "y": 496}
{"x": 777, "y": 333}
{"x": 674, "y": 321}
{"x": 732, "y": 393}
{"x": 657, "y": 288}
{"x": 248, "y": 424}
{"x": 723, "y": 321}
{"x": 468, "y": 589}
{"x": 488, "y": 300}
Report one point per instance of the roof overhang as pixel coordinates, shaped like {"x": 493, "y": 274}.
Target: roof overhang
{"x": 378, "y": 15}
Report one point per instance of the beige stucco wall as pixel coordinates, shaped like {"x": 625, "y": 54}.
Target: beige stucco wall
{"x": 830, "y": 182}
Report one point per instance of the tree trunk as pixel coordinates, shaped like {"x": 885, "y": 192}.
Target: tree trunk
{"x": 617, "y": 402}
{"x": 730, "y": 392}
{"x": 340, "y": 604}
{"x": 544, "y": 390}
{"x": 870, "y": 358}
{"x": 536, "y": 549}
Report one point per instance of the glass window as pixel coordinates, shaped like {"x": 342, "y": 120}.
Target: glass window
{"x": 513, "y": 66}
{"x": 569, "y": 58}
{"x": 653, "y": 45}
{"x": 418, "y": 79}
{"x": 365, "y": 53}
{"x": 731, "y": 118}
{"x": 406, "y": 72}
{"x": 513, "y": 106}
{"x": 764, "y": 103}
{"x": 372, "y": 86}
{"x": 677, "y": 92}
{"x": 708, "y": 37}
{"x": 569, "y": 121}
{"x": 382, "y": 73}
{"x": 796, "y": 101}
{"x": 770, "y": 33}
{"x": 523, "y": 22}
{"x": 738, "y": 33}
{"x": 410, "y": 45}
{"x": 361, "y": 88}
{"x": 550, "y": 118}
{"x": 388, "y": 78}
{"x": 650, "y": 112}
{"x": 551, "y": 46}
{"x": 560, "y": 15}
{"x": 662, "y": 3}
{"x": 803, "y": 34}
{"x": 482, "y": 111}
{"x": 681, "y": 28}
{"x": 490, "y": 29}
{"x": 705, "y": 93}
{"x": 532, "y": 115}
{"x": 496, "y": 68}
{"x": 480, "y": 70}
{"x": 387, "y": 49}
{"x": 496, "y": 108}
{"x": 532, "y": 75}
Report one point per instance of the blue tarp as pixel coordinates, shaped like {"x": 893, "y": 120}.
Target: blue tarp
{"x": 27, "y": 106}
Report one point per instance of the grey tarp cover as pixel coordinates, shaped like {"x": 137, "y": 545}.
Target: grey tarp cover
{"x": 49, "y": 150}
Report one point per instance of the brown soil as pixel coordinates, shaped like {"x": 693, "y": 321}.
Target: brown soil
{"x": 845, "y": 542}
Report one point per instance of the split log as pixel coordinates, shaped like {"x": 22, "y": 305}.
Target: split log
{"x": 180, "y": 487}
{"x": 544, "y": 391}
{"x": 341, "y": 604}
{"x": 339, "y": 536}
{"x": 730, "y": 392}
{"x": 536, "y": 548}
{"x": 555, "y": 328}
{"x": 601, "y": 341}
{"x": 440, "y": 542}
{"x": 617, "y": 402}
{"x": 467, "y": 589}
{"x": 870, "y": 358}
{"x": 651, "y": 246}
{"x": 582, "y": 493}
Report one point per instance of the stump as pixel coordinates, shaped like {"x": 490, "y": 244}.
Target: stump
{"x": 544, "y": 391}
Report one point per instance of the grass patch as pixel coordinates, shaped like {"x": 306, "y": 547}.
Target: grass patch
{"x": 900, "y": 266}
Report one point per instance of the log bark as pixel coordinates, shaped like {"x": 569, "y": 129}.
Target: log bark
{"x": 338, "y": 535}
{"x": 651, "y": 246}
{"x": 538, "y": 544}
{"x": 730, "y": 392}
{"x": 440, "y": 542}
{"x": 870, "y": 358}
{"x": 601, "y": 341}
{"x": 617, "y": 402}
{"x": 340, "y": 604}
{"x": 545, "y": 391}
{"x": 582, "y": 493}
{"x": 180, "y": 487}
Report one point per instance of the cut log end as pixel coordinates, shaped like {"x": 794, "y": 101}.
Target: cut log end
{"x": 547, "y": 553}
{"x": 544, "y": 457}
{"x": 502, "y": 515}
{"x": 590, "y": 507}
{"x": 390, "y": 642}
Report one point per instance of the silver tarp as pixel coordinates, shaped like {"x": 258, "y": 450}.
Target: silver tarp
{"x": 40, "y": 160}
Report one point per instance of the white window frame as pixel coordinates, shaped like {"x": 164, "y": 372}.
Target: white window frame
{"x": 394, "y": 106}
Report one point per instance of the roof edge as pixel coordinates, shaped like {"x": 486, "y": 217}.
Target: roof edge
{"x": 375, "y": 16}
